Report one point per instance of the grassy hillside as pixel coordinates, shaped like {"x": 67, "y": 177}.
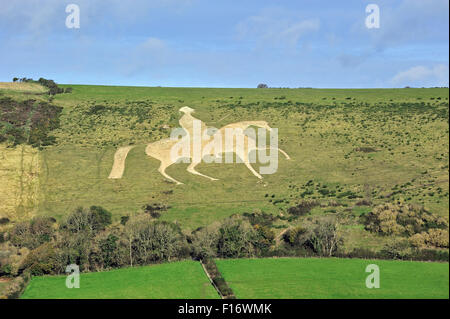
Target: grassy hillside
{"x": 323, "y": 130}
{"x": 333, "y": 278}
{"x": 178, "y": 280}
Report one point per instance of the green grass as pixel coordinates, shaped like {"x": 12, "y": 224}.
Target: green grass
{"x": 299, "y": 278}
{"x": 177, "y": 280}
{"x": 318, "y": 128}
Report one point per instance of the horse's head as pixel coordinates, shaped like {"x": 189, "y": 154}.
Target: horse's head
{"x": 186, "y": 110}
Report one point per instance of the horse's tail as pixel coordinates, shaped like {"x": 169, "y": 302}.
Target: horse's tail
{"x": 119, "y": 162}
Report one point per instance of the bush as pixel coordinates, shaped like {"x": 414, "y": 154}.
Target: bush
{"x": 260, "y": 218}
{"x": 236, "y": 239}
{"x": 28, "y": 122}
{"x": 402, "y": 219}
{"x": 325, "y": 239}
{"x": 100, "y": 217}
{"x": 204, "y": 242}
{"x": 32, "y": 234}
{"x": 297, "y": 236}
{"x": 433, "y": 237}
{"x": 303, "y": 208}
{"x": 217, "y": 279}
{"x": 153, "y": 241}
{"x": 94, "y": 219}
{"x": 396, "y": 249}
{"x": 41, "y": 261}
{"x": 16, "y": 287}
{"x": 124, "y": 220}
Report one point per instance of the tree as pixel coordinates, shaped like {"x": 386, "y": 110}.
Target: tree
{"x": 32, "y": 234}
{"x": 152, "y": 241}
{"x": 15, "y": 79}
{"x": 262, "y": 86}
{"x": 204, "y": 242}
{"x": 325, "y": 238}
{"x": 237, "y": 238}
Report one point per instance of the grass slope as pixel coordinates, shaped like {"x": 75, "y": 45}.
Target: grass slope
{"x": 177, "y": 280}
{"x": 319, "y": 128}
{"x": 333, "y": 278}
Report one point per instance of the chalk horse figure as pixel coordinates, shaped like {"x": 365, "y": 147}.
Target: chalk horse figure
{"x": 161, "y": 150}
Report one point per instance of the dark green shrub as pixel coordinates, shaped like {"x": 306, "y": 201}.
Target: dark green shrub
{"x": 303, "y": 208}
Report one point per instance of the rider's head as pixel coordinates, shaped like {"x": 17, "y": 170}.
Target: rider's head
{"x": 186, "y": 110}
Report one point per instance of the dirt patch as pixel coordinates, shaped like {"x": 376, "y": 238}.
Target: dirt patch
{"x": 119, "y": 162}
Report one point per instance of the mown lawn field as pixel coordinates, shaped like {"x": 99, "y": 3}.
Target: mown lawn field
{"x": 333, "y": 278}
{"x": 177, "y": 280}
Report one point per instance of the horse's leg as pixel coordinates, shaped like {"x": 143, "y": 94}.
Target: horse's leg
{"x": 162, "y": 170}
{"x": 244, "y": 156}
{"x": 191, "y": 169}
{"x": 278, "y": 149}
{"x": 284, "y": 153}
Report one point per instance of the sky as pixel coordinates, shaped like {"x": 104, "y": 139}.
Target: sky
{"x": 216, "y": 43}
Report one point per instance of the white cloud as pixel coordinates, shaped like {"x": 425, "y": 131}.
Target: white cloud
{"x": 39, "y": 17}
{"x": 410, "y": 21}
{"x": 276, "y": 27}
{"x": 423, "y": 76}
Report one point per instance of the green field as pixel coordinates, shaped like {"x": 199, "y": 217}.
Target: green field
{"x": 178, "y": 280}
{"x": 333, "y": 278}
{"x": 321, "y": 130}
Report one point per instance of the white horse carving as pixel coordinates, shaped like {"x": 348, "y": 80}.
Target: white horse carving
{"x": 161, "y": 150}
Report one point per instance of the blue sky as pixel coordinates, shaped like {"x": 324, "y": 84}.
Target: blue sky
{"x": 205, "y": 43}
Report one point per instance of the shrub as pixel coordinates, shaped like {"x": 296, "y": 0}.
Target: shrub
{"x": 153, "y": 241}
{"x": 297, "y": 237}
{"x": 402, "y": 219}
{"x": 28, "y": 122}
{"x": 217, "y": 279}
{"x": 32, "y": 234}
{"x": 260, "y": 218}
{"x": 364, "y": 202}
{"x": 100, "y": 217}
{"x": 365, "y": 149}
{"x": 325, "y": 239}
{"x": 16, "y": 287}
{"x": 303, "y": 207}
{"x": 94, "y": 219}
{"x": 438, "y": 238}
{"x": 41, "y": 261}
{"x": 204, "y": 242}
{"x": 236, "y": 238}
{"x": 397, "y": 249}
{"x": 124, "y": 220}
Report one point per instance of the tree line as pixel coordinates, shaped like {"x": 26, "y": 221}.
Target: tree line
{"x": 50, "y": 84}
